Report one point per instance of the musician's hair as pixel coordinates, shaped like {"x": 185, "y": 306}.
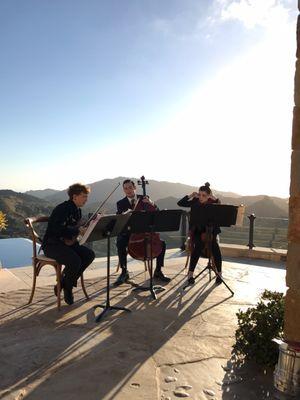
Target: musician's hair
{"x": 206, "y": 188}
{"x": 77, "y": 188}
{"x": 128, "y": 181}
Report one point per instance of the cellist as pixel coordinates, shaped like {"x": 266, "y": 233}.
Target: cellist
{"x": 124, "y": 205}
{"x": 195, "y": 200}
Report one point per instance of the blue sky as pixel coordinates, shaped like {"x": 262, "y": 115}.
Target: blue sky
{"x": 96, "y": 89}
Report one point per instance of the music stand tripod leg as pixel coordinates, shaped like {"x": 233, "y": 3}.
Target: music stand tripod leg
{"x": 200, "y": 273}
{"x": 106, "y": 307}
{"x": 154, "y": 288}
{"x": 220, "y": 277}
{"x": 210, "y": 266}
{"x": 151, "y": 287}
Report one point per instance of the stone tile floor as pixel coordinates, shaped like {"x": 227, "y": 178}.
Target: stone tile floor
{"x": 178, "y": 345}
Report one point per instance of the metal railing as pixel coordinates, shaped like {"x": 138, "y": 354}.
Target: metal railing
{"x": 255, "y": 231}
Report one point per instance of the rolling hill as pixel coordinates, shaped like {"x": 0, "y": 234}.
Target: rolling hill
{"x": 42, "y": 194}
{"x": 17, "y": 206}
{"x": 168, "y": 193}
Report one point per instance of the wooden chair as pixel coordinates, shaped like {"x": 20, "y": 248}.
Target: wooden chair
{"x": 188, "y": 249}
{"x": 40, "y": 260}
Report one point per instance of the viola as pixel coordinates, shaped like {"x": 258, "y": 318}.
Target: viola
{"x": 144, "y": 246}
{"x": 70, "y": 242}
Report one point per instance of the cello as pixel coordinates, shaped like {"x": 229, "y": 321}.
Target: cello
{"x": 144, "y": 246}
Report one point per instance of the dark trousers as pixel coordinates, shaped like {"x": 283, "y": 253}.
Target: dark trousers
{"x": 122, "y": 244}
{"x": 75, "y": 258}
{"x": 198, "y": 247}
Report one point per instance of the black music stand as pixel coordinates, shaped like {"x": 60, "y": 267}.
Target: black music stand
{"x": 153, "y": 221}
{"x": 210, "y": 216}
{"x": 107, "y": 227}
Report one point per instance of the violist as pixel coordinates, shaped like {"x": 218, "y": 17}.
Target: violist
{"x": 124, "y": 205}
{"x": 194, "y": 201}
{"x": 63, "y": 227}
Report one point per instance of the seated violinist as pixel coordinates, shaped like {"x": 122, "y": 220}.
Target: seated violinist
{"x": 195, "y": 200}
{"x": 129, "y": 202}
{"x": 60, "y": 240}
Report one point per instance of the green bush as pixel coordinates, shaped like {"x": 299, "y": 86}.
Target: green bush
{"x": 257, "y": 326}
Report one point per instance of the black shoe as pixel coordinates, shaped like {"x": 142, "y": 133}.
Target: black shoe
{"x": 123, "y": 277}
{"x": 158, "y": 274}
{"x": 68, "y": 296}
{"x": 218, "y": 280}
{"x": 191, "y": 280}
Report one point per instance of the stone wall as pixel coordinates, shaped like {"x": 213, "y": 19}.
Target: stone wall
{"x": 292, "y": 307}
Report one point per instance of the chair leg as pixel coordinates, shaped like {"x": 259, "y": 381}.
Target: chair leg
{"x": 213, "y": 263}
{"x": 118, "y": 267}
{"x": 33, "y": 285}
{"x": 83, "y": 287}
{"x": 187, "y": 261}
{"x": 146, "y": 266}
{"x": 58, "y": 282}
{"x": 188, "y": 249}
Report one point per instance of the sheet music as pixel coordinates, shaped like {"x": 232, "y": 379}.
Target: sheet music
{"x": 90, "y": 228}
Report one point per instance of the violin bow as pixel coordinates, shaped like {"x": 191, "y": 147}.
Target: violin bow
{"x": 102, "y": 204}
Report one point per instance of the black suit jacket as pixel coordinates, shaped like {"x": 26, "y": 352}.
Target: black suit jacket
{"x": 62, "y": 223}
{"x": 124, "y": 204}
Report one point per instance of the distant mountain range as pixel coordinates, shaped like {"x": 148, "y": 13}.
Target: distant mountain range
{"x": 99, "y": 190}
{"x": 18, "y": 206}
{"x": 42, "y": 194}
{"x": 166, "y": 195}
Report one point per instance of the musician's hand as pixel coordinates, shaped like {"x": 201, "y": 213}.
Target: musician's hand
{"x": 82, "y": 230}
{"x": 194, "y": 195}
{"x": 129, "y": 210}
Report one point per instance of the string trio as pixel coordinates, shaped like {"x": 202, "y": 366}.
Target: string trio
{"x": 65, "y": 225}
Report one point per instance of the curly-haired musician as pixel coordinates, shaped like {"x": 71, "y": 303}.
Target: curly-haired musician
{"x": 60, "y": 240}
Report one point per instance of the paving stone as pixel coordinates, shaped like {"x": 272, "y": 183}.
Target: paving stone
{"x": 209, "y": 392}
{"x": 169, "y": 379}
{"x": 181, "y": 393}
{"x": 184, "y": 387}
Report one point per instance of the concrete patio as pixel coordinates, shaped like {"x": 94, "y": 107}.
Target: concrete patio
{"x": 176, "y": 346}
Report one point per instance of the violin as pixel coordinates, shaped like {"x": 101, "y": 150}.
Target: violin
{"x": 144, "y": 246}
